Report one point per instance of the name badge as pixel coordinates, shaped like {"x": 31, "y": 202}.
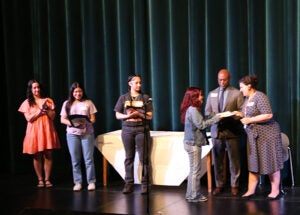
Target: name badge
{"x": 214, "y": 95}
{"x": 250, "y": 104}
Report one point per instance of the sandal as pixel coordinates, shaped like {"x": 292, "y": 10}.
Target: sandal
{"x": 41, "y": 183}
{"x": 48, "y": 183}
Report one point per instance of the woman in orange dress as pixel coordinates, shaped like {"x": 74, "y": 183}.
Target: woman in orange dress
{"x": 41, "y": 137}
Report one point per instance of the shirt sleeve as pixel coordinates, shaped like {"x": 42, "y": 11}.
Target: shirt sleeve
{"x": 63, "y": 109}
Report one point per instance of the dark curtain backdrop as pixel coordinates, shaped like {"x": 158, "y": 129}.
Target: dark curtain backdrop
{"x": 172, "y": 44}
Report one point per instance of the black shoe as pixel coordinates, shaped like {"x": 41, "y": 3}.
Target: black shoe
{"x": 234, "y": 191}
{"x": 128, "y": 188}
{"x": 247, "y": 197}
{"x": 145, "y": 189}
{"x": 274, "y": 198}
{"x": 217, "y": 191}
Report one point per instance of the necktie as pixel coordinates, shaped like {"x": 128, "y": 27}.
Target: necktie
{"x": 221, "y": 101}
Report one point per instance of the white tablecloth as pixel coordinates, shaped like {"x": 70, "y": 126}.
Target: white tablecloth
{"x": 170, "y": 164}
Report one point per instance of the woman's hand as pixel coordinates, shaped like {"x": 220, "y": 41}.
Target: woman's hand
{"x": 238, "y": 114}
{"x": 51, "y": 114}
{"x": 132, "y": 113}
{"x": 246, "y": 120}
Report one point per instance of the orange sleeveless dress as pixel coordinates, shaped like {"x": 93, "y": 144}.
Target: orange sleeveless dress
{"x": 40, "y": 134}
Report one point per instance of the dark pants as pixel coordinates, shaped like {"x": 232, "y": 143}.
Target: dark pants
{"x": 220, "y": 147}
{"x": 133, "y": 138}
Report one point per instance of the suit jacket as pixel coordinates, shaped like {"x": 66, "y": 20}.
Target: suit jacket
{"x": 228, "y": 127}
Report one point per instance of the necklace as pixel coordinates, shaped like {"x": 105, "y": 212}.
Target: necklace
{"x": 134, "y": 97}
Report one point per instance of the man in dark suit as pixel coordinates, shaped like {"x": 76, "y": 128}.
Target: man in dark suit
{"x": 225, "y": 134}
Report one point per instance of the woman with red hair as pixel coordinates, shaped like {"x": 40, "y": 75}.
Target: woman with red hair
{"x": 195, "y": 138}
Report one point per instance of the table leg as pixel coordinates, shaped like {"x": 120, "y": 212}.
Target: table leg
{"x": 104, "y": 165}
{"x": 208, "y": 168}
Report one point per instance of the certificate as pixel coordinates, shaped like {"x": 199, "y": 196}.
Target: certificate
{"x": 226, "y": 114}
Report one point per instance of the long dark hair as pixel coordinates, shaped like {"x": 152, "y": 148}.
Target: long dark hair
{"x": 29, "y": 94}
{"x": 71, "y": 98}
{"x": 191, "y": 98}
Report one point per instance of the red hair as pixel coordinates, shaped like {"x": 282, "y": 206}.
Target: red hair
{"x": 191, "y": 98}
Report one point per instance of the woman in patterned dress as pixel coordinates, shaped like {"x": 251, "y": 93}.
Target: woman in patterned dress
{"x": 264, "y": 146}
{"x": 41, "y": 137}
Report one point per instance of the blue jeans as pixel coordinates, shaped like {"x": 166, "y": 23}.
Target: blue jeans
{"x": 193, "y": 184}
{"x": 82, "y": 145}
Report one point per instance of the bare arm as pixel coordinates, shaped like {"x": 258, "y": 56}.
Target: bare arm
{"x": 31, "y": 117}
{"x": 65, "y": 120}
{"x": 131, "y": 113}
{"x": 92, "y": 118}
{"x": 51, "y": 114}
{"x": 256, "y": 119}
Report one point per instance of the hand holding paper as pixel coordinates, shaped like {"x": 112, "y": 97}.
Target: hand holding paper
{"x": 225, "y": 114}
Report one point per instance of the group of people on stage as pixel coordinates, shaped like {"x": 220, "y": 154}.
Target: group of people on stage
{"x": 229, "y": 113}
{"x": 41, "y": 137}
{"x": 78, "y": 114}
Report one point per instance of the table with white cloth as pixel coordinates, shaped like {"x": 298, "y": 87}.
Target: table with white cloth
{"x": 169, "y": 160}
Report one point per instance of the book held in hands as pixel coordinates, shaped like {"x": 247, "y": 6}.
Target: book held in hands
{"x": 77, "y": 119}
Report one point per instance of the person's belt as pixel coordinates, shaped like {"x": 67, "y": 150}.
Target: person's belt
{"x": 134, "y": 120}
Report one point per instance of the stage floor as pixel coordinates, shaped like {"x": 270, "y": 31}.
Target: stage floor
{"x": 20, "y": 196}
